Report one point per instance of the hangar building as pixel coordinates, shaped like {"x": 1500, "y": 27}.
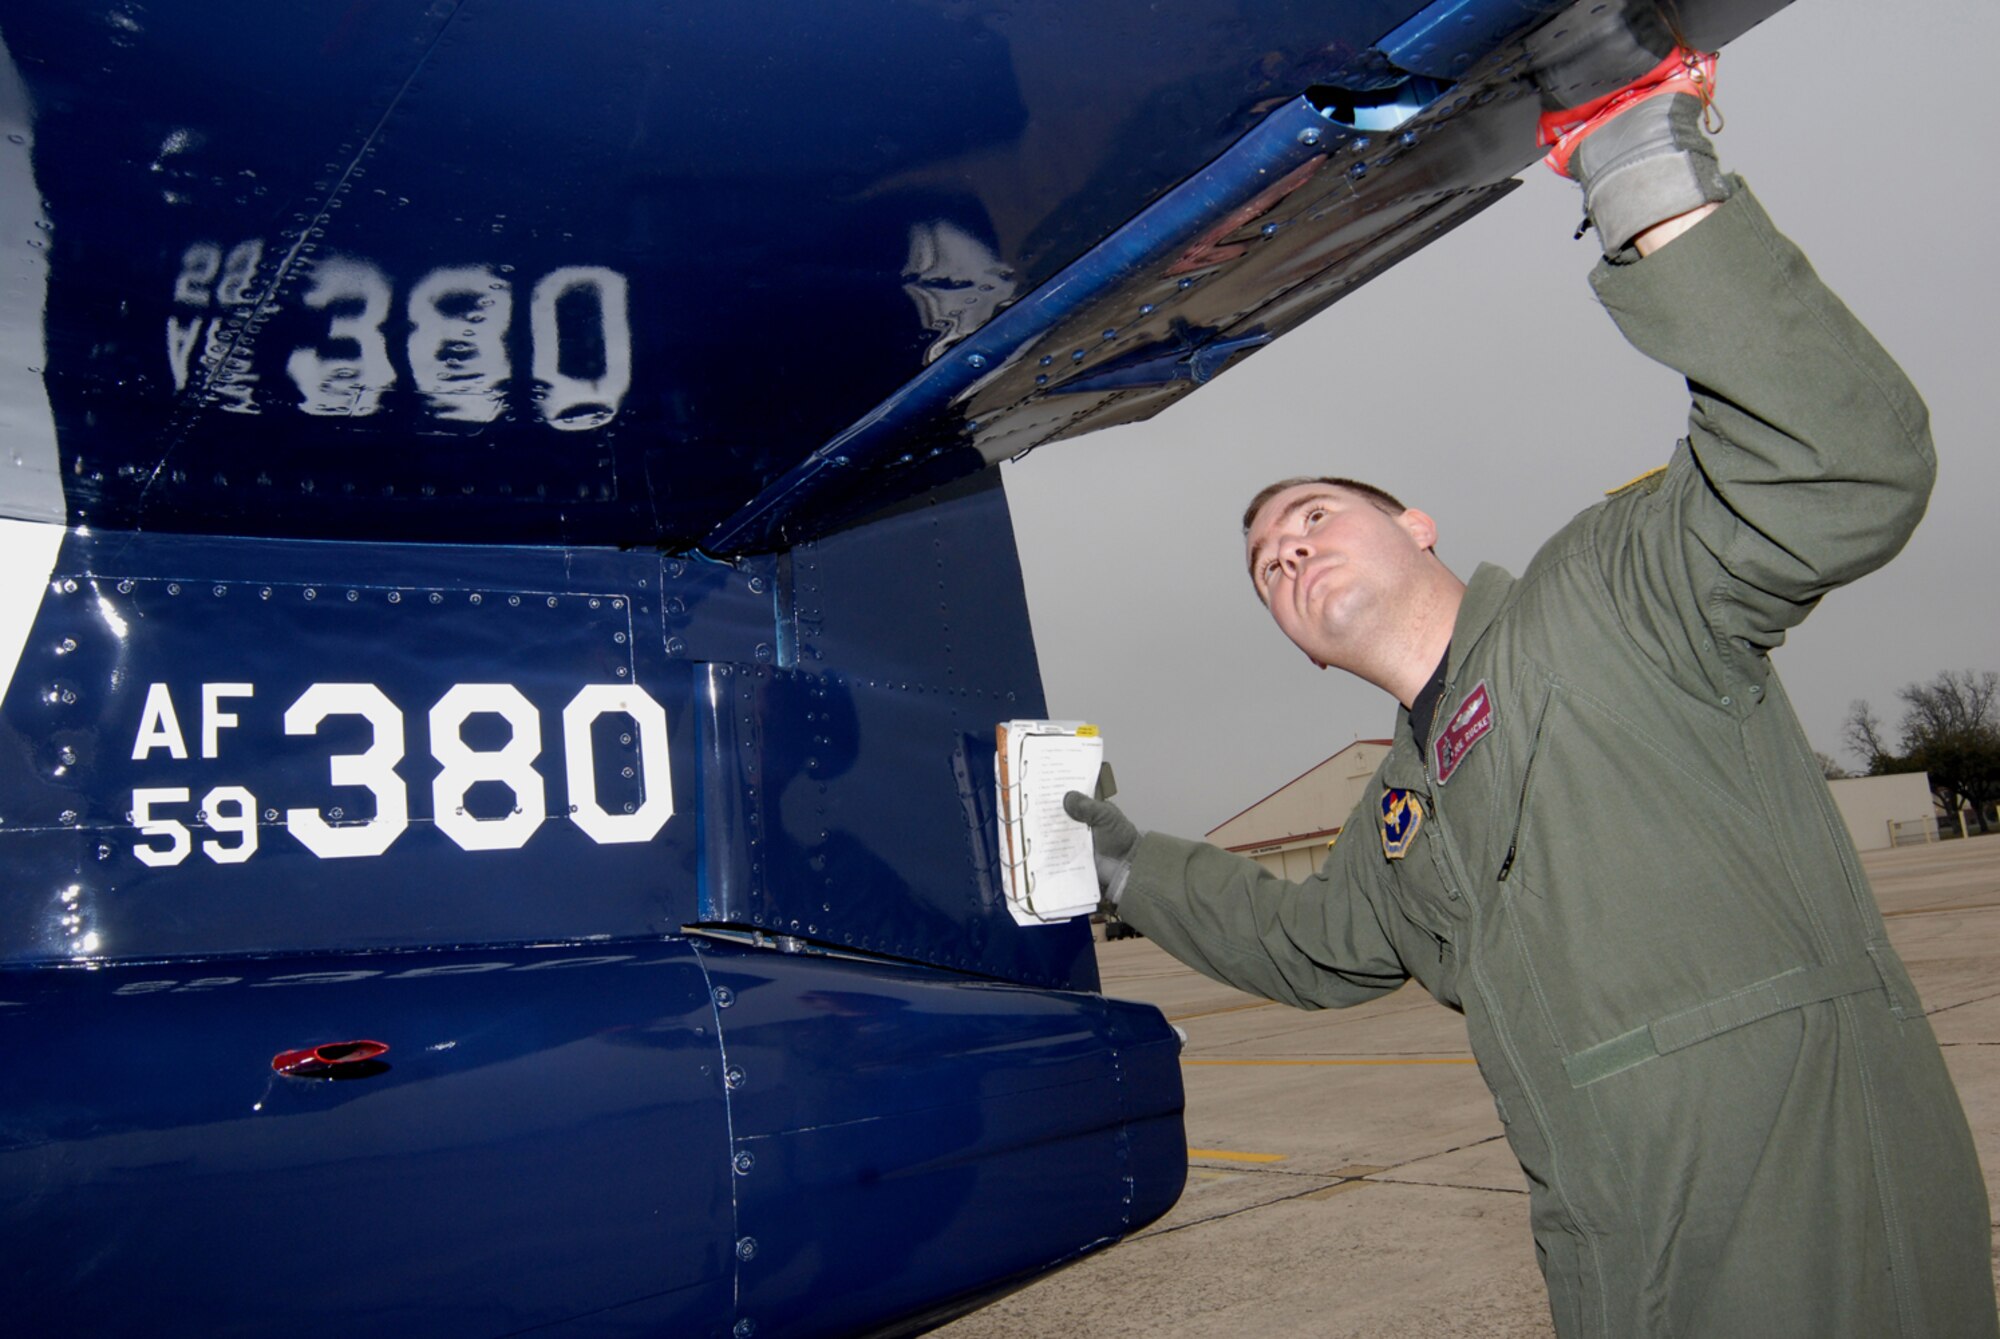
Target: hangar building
{"x": 1289, "y": 830}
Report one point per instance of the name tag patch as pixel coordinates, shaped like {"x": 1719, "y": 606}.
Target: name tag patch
{"x": 1402, "y": 815}
{"x": 1472, "y": 722}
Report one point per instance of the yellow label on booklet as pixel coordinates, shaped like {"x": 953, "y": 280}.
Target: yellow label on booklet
{"x": 1086, "y": 732}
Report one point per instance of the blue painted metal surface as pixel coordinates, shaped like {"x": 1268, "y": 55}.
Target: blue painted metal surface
{"x": 631, "y": 1137}
{"x": 917, "y": 1143}
{"x": 286, "y": 246}
{"x": 532, "y": 595}
{"x": 845, "y": 796}
{"x": 284, "y": 249}
{"x": 135, "y": 626}
{"x": 1446, "y": 39}
{"x": 545, "y": 1139}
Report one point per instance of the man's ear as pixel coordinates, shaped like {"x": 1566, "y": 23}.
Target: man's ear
{"x": 1420, "y": 526}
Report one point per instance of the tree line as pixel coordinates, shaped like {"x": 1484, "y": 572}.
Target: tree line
{"x": 1950, "y": 728}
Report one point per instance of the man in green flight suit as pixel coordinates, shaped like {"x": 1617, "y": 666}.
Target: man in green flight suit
{"x": 1601, "y": 832}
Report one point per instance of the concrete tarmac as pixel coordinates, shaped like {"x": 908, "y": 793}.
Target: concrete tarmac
{"x": 1347, "y": 1174}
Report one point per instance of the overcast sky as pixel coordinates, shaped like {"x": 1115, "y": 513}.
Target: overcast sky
{"x": 1481, "y": 382}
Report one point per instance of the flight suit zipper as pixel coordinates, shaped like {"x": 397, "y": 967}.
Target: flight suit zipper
{"x": 1527, "y": 777}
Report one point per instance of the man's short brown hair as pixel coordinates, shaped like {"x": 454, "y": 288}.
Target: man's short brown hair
{"x": 1381, "y": 498}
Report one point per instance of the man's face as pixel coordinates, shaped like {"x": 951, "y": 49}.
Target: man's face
{"x": 1331, "y": 566}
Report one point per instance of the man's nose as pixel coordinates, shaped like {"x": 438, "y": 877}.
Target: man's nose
{"x": 1293, "y": 553}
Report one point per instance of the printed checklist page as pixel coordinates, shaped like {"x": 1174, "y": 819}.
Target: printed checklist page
{"x": 1051, "y": 869}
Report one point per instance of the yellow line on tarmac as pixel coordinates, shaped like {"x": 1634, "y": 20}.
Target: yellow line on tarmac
{"x": 1229, "y": 1155}
{"x": 1384, "y": 1060}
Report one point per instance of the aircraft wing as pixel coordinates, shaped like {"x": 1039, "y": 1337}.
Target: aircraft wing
{"x": 616, "y": 275}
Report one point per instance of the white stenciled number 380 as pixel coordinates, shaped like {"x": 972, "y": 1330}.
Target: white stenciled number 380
{"x": 231, "y": 814}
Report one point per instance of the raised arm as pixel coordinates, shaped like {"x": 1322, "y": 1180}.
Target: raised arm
{"x": 1812, "y": 448}
{"x": 1808, "y": 460}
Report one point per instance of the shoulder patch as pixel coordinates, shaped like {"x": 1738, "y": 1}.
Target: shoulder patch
{"x": 1402, "y": 815}
{"x": 1645, "y": 483}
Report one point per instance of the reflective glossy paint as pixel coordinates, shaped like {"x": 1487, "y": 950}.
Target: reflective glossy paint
{"x": 425, "y": 744}
{"x": 907, "y": 1142}
{"x": 686, "y": 1134}
{"x": 355, "y": 228}
{"x": 507, "y": 610}
{"x": 544, "y": 1139}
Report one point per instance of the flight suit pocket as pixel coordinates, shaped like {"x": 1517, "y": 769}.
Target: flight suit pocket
{"x": 1430, "y": 893}
{"x": 1435, "y": 933}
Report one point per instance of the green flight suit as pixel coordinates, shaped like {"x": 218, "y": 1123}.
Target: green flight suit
{"x": 1630, "y": 876}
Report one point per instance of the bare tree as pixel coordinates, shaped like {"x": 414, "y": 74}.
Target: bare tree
{"x": 1953, "y": 702}
{"x": 1863, "y": 734}
{"x": 1951, "y": 729}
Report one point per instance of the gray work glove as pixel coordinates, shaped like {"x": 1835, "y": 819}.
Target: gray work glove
{"x": 1646, "y": 165}
{"x": 1113, "y": 839}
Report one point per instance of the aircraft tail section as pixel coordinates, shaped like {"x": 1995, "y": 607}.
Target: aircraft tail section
{"x": 236, "y": 746}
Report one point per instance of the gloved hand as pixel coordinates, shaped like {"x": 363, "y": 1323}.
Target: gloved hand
{"x": 1640, "y": 153}
{"x": 1112, "y": 836}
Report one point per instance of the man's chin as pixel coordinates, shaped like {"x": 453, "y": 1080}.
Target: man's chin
{"x": 1321, "y": 655}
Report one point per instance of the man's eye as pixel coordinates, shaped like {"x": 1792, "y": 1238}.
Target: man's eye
{"x": 1315, "y": 516}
